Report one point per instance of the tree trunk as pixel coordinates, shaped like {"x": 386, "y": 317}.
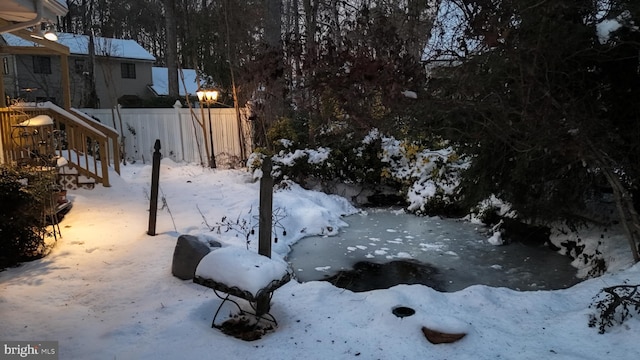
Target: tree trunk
{"x": 91, "y": 99}
{"x": 234, "y": 89}
{"x": 274, "y": 102}
{"x": 628, "y": 216}
{"x": 311, "y": 16}
{"x": 172, "y": 47}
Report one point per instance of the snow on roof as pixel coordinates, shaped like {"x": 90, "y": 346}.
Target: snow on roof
{"x": 79, "y": 45}
{"x": 161, "y": 81}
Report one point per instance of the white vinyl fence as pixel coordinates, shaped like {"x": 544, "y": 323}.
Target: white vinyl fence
{"x": 180, "y": 134}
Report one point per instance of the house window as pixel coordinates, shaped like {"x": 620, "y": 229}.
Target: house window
{"x": 128, "y": 70}
{"x": 5, "y": 66}
{"x": 42, "y": 65}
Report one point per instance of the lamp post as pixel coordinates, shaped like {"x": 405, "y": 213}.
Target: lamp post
{"x": 209, "y": 97}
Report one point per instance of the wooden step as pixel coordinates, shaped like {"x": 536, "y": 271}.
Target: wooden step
{"x": 70, "y": 179}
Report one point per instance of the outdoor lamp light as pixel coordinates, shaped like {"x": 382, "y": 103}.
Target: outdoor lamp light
{"x": 51, "y": 35}
{"x": 208, "y": 97}
{"x": 211, "y": 95}
{"x": 46, "y": 32}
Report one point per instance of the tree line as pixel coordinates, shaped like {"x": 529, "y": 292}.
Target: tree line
{"x": 542, "y": 97}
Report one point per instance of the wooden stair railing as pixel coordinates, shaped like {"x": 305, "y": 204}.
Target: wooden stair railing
{"x": 87, "y": 145}
{"x": 113, "y": 146}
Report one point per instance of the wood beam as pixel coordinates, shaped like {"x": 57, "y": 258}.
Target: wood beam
{"x": 4, "y": 23}
{"x": 26, "y": 35}
{"x": 27, "y": 50}
{"x": 66, "y": 87}
{"x": 3, "y": 98}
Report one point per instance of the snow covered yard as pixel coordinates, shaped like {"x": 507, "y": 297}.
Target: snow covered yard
{"x": 106, "y": 291}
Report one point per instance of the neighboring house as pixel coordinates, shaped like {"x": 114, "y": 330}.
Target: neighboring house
{"x": 25, "y": 19}
{"x": 122, "y": 71}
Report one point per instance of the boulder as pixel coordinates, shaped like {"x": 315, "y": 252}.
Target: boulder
{"x": 187, "y": 254}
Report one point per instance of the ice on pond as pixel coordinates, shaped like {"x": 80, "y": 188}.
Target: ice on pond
{"x": 457, "y": 249}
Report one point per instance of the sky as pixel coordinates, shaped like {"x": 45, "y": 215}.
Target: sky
{"x": 106, "y": 290}
{"x": 449, "y": 25}
{"x": 161, "y": 81}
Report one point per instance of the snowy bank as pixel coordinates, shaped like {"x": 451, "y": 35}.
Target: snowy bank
{"x": 106, "y": 290}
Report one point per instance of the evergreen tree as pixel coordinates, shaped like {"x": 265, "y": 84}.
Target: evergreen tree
{"x": 545, "y": 107}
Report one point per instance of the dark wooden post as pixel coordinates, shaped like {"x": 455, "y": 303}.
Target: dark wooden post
{"x": 266, "y": 209}
{"x": 264, "y": 226}
{"x": 3, "y": 98}
{"x": 155, "y": 177}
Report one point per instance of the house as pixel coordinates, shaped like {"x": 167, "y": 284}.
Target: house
{"x": 80, "y": 137}
{"x": 122, "y": 71}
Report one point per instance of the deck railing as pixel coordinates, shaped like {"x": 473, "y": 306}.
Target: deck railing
{"x": 88, "y": 146}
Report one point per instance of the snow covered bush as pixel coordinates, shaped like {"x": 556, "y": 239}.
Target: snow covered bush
{"x": 427, "y": 178}
{"x": 247, "y": 225}
{"x": 614, "y": 305}
{"x": 588, "y": 256}
{"x": 490, "y": 211}
{"x": 22, "y": 231}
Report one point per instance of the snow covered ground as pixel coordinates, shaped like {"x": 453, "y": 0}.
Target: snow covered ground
{"x": 106, "y": 290}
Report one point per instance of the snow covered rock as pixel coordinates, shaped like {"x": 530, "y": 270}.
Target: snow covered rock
{"x": 186, "y": 256}
{"x": 496, "y": 239}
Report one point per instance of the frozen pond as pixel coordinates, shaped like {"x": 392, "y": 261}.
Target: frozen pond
{"x": 457, "y": 253}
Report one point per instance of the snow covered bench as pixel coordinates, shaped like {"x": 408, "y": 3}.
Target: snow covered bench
{"x": 244, "y": 274}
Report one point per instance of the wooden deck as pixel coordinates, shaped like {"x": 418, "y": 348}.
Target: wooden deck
{"x": 88, "y": 146}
